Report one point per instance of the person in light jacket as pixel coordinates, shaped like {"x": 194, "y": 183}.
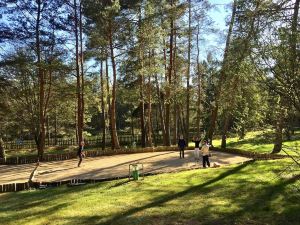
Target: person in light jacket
{"x": 197, "y": 142}
{"x": 205, "y": 154}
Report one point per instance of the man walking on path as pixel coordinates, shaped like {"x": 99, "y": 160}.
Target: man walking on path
{"x": 181, "y": 146}
{"x": 80, "y": 153}
{"x": 205, "y": 154}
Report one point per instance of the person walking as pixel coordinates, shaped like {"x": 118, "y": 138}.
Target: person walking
{"x": 197, "y": 141}
{"x": 181, "y": 146}
{"x": 80, "y": 153}
{"x": 205, "y": 154}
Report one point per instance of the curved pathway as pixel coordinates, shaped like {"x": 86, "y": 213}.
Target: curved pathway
{"x": 110, "y": 166}
{"x": 117, "y": 165}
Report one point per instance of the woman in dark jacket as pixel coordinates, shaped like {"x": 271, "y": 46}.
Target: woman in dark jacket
{"x": 80, "y": 153}
{"x": 181, "y": 146}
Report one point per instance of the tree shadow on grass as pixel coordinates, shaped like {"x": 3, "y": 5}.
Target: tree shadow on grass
{"x": 260, "y": 139}
{"x": 18, "y": 205}
{"x": 164, "y": 199}
{"x": 260, "y": 206}
{"x": 256, "y": 208}
{"x": 28, "y": 214}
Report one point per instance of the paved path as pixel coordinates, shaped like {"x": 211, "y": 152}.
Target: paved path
{"x": 117, "y": 166}
{"x": 15, "y": 173}
{"x": 108, "y": 166}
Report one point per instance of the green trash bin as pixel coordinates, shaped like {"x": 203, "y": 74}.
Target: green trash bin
{"x": 135, "y": 172}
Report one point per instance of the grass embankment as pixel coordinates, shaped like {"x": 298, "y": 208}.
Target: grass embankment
{"x": 33, "y": 152}
{"x": 239, "y": 194}
{"x": 259, "y": 141}
{"x": 255, "y": 141}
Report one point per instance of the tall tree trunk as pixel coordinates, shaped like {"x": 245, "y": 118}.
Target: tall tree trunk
{"x": 168, "y": 91}
{"x": 149, "y": 122}
{"x": 132, "y": 128}
{"x": 115, "y": 140}
{"x": 293, "y": 37}
{"x": 161, "y": 111}
{"x": 142, "y": 111}
{"x": 55, "y": 127}
{"x": 41, "y": 75}
{"x": 78, "y": 78}
{"x": 278, "y": 134}
{"x": 76, "y": 121}
{"x": 188, "y": 76}
{"x": 48, "y": 132}
{"x": 175, "y": 103}
{"x": 181, "y": 119}
{"x": 141, "y": 83}
{"x": 108, "y": 98}
{"x": 280, "y": 114}
{"x": 214, "y": 111}
{"x": 225, "y": 129}
{"x": 294, "y": 56}
{"x": 199, "y": 81}
{"x": 2, "y": 151}
{"x": 81, "y": 68}
{"x": 102, "y": 106}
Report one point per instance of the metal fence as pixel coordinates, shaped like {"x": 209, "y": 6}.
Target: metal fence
{"x": 96, "y": 141}
{"x": 125, "y": 140}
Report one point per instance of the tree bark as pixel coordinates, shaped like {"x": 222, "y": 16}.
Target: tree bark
{"x": 149, "y": 122}
{"x": 278, "y": 135}
{"x": 55, "y": 127}
{"x": 42, "y": 133}
{"x": 141, "y": 83}
{"x": 225, "y": 129}
{"x": 175, "y": 103}
{"x": 102, "y": 106}
{"x": 168, "y": 89}
{"x": 188, "y": 77}
{"x": 199, "y": 86}
{"x": 2, "y": 151}
{"x": 78, "y": 78}
{"x": 161, "y": 111}
{"x": 294, "y": 56}
{"x": 81, "y": 69}
{"x": 108, "y": 98}
{"x": 214, "y": 111}
{"x": 115, "y": 140}
{"x": 142, "y": 112}
{"x": 48, "y": 132}
{"x": 76, "y": 121}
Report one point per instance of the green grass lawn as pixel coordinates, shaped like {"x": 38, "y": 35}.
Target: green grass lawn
{"x": 238, "y": 194}
{"x": 259, "y": 141}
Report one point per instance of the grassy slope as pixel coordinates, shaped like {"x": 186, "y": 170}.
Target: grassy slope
{"x": 259, "y": 141}
{"x": 239, "y": 194}
{"x": 33, "y": 152}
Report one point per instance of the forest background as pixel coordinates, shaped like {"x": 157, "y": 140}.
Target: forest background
{"x": 149, "y": 68}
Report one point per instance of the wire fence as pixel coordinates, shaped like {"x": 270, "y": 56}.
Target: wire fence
{"x": 124, "y": 140}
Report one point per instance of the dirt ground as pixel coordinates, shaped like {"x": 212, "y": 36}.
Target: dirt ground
{"x": 110, "y": 166}
{"x": 118, "y": 165}
{"x": 15, "y": 173}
